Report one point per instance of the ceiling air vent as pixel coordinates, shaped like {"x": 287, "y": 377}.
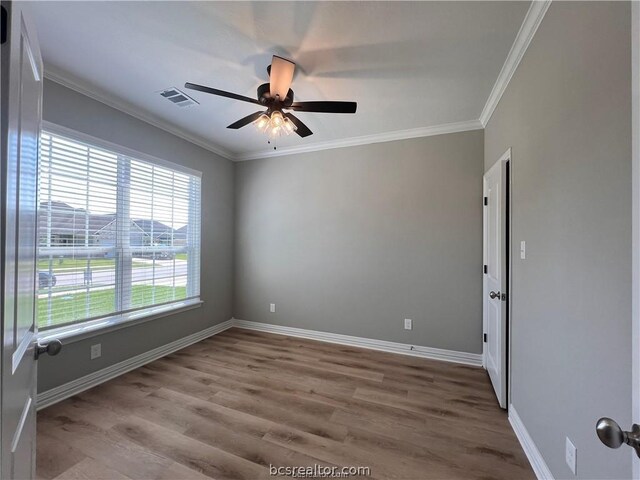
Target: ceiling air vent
{"x": 177, "y": 97}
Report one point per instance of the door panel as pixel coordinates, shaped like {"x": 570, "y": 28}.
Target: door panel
{"x": 494, "y": 285}
{"x": 21, "y": 114}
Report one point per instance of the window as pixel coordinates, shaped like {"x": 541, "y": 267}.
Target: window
{"x": 117, "y": 233}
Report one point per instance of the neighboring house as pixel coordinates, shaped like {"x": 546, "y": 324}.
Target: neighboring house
{"x": 155, "y": 233}
{"x": 67, "y": 226}
{"x": 180, "y": 236}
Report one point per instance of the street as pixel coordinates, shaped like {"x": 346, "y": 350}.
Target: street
{"x": 163, "y": 274}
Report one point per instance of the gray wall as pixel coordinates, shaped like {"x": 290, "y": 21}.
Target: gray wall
{"x": 567, "y": 116}
{"x": 354, "y": 240}
{"x": 73, "y": 110}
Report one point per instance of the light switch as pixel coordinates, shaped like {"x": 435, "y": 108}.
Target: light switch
{"x": 523, "y": 250}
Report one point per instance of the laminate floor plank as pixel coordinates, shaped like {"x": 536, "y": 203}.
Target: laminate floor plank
{"x": 90, "y": 469}
{"x": 235, "y": 404}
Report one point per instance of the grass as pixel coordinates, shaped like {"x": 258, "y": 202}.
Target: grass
{"x": 78, "y": 306}
{"x": 181, "y": 256}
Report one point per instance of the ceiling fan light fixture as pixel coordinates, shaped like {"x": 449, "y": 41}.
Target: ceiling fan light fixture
{"x": 274, "y": 97}
{"x": 288, "y": 126}
{"x": 275, "y": 132}
{"x": 262, "y": 123}
{"x": 277, "y": 119}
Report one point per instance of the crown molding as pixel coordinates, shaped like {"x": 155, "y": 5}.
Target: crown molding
{"x": 367, "y": 139}
{"x": 74, "y": 84}
{"x": 529, "y": 26}
{"x": 58, "y": 77}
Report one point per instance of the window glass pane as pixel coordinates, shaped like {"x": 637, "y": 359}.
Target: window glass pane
{"x": 159, "y": 209}
{"x": 115, "y": 233}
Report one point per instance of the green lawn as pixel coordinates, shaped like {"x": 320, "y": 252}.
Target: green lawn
{"x": 181, "y": 256}
{"x": 77, "y": 306}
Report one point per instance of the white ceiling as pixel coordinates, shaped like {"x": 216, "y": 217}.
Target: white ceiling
{"x": 408, "y": 64}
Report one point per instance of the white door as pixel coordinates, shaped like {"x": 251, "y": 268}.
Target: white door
{"x": 21, "y": 114}
{"x": 495, "y": 285}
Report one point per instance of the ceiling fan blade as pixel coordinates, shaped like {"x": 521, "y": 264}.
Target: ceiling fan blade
{"x": 302, "y": 129}
{"x": 221, "y": 93}
{"x": 280, "y": 76}
{"x": 325, "y": 107}
{"x": 245, "y": 121}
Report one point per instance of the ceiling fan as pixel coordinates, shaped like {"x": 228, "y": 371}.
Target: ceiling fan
{"x": 277, "y": 97}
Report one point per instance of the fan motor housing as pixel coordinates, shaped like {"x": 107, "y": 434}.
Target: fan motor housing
{"x": 265, "y": 98}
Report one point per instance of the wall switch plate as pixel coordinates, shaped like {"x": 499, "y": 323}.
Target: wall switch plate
{"x": 272, "y": 307}
{"x": 523, "y": 250}
{"x": 96, "y": 351}
{"x": 408, "y": 324}
{"x": 571, "y": 456}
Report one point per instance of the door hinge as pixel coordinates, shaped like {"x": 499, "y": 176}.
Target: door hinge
{"x": 4, "y": 24}
{"x": 485, "y": 269}
{"x": 486, "y": 201}
{"x": 484, "y": 337}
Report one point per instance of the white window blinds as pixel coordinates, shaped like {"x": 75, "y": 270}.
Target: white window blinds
{"x": 116, "y": 233}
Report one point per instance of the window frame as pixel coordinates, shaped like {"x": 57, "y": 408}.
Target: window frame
{"x": 81, "y": 329}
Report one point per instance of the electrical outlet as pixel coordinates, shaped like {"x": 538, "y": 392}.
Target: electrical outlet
{"x": 96, "y": 351}
{"x": 571, "y": 456}
{"x": 272, "y": 308}
{"x": 408, "y": 324}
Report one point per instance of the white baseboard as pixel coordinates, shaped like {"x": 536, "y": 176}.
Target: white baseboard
{"x": 474, "y": 359}
{"x": 81, "y": 384}
{"x": 538, "y": 464}
{"x": 74, "y": 387}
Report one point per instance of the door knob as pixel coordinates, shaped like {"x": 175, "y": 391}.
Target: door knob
{"x": 610, "y": 433}
{"x": 493, "y": 294}
{"x": 52, "y": 348}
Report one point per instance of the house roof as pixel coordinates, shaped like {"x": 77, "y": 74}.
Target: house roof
{"x": 67, "y": 220}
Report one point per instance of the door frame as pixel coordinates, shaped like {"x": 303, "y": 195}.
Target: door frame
{"x": 635, "y": 256}
{"x": 505, "y": 162}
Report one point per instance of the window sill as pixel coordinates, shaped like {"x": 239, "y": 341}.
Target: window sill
{"x": 100, "y": 326}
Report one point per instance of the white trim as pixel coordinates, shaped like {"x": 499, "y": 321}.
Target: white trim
{"x": 81, "y": 384}
{"x": 536, "y": 460}
{"x": 77, "y": 85}
{"x": 529, "y": 26}
{"x": 21, "y": 423}
{"x": 474, "y": 359}
{"x": 366, "y": 140}
{"x": 74, "y": 84}
{"x": 71, "y": 134}
{"x": 62, "y": 392}
{"x": 635, "y": 222}
{"x": 91, "y": 328}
